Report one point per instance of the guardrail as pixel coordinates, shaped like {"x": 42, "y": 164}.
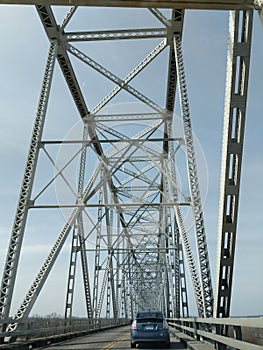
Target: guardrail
{"x": 242, "y": 333}
{"x": 39, "y": 332}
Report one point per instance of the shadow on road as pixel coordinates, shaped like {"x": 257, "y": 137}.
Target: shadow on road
{"x": 176, "y": 345}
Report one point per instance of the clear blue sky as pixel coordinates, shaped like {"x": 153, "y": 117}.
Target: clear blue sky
{"x": 24, "y": 48}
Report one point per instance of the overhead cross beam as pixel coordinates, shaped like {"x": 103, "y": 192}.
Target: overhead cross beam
{"x": 181, "y": 4}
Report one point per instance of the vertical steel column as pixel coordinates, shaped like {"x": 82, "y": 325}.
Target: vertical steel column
{"x": 176, "y": 27}
{"x": 78, "y": 243}
{"x": 109, "y": 228}
{"x": 97, "y": 253}
{"x": 171, "y": 267}
{"x": 72, "y": 274}
{"x": 183, "y": 286}
{"x": 85, "y": 267}
{"x": 238, "y": 61}
{"x": 17, "y": 235}
{"x": 118, "y": 274}
{"x": 179, "y": 268}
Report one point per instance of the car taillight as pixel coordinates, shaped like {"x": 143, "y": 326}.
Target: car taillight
{"x": 165, "y": 325}
{"x": 134, "y": 325}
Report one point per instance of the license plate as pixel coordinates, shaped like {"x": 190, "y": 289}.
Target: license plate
{"x": 149, "y": 327}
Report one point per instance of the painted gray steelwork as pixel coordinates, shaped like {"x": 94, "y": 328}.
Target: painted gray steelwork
{"x": 16, "y": 240}
{"x": 240, "y": 33}
{"x": 181, "y": 4}
{"x": 141, "y": 244}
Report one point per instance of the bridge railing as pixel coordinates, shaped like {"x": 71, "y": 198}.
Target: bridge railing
{"x": 35, "y": 332}
{"x": 242, "y": 333}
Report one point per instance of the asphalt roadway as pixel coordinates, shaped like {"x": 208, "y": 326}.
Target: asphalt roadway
{"x": 118, "y": 338}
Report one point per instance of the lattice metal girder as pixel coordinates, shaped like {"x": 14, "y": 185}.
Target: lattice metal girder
{"x": 49, "y": 23}
{"x": 128, "y": 117}
{"x": 105, "y": 72}
{"x": 181, "y": 4}
{"x": 194, "y": 185}
{"x": 132, "y": 74}
{"x": 80, "y": 240}
{"x": 85, "y": 268}
{"x": 239, "y": 47}
{"x": 41, "y": 277}
{"x": 135, "y": 159}
{"x": 116, "y": 34}
{"x": 71, "y": 275}
{"x": 121, "y": 189}
{"x": 13, "y": 254}
{"x": 176, "y": 28}
{"x": 48, "y": 20}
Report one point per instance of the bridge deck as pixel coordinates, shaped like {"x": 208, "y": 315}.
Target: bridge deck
{"x": 115, "y": 339}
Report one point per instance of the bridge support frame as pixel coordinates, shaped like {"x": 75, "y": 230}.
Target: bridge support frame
{"x": 235, "y": 109}
{"x": 240, "y": 34}
{"x": 17, "y": 234}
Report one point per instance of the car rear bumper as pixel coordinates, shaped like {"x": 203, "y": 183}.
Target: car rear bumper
{"x": 150, "y": 337}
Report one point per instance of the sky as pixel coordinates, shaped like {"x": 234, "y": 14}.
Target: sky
{"x": 24, "y": 49}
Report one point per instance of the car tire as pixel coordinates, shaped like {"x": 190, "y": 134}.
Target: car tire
{"x": 133, "y": 345}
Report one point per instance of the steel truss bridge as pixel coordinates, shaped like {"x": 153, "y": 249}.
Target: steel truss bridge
{"x": 126, "y": 211}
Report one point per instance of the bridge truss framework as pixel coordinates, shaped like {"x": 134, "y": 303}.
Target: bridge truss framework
{"x": 126, "y": 217}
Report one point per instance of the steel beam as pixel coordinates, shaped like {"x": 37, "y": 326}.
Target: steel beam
{"x": 201, "y": 242}
{"x": 17, "y": 235}
{"x": 240, "y": 33}
{"x": 116, "y": 34}
{"x": 180, "y": 4}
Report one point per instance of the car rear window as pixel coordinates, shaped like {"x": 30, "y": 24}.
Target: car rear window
{"x": 149, "y": 315}
{"x": 151, "y": 320}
